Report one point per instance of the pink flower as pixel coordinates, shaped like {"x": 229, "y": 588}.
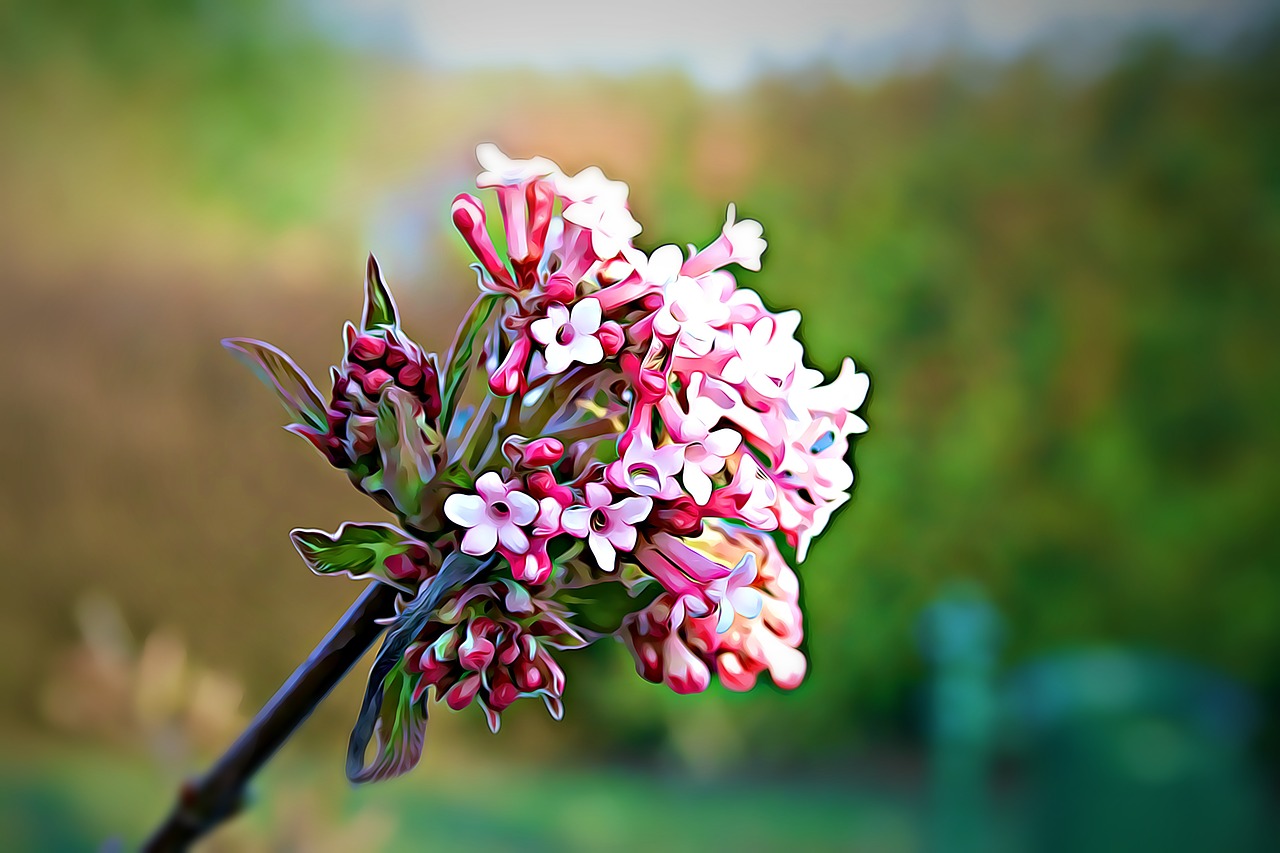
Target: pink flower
{"x": 646, "y": 470}
{"x": 765, "y": 355}
{"x": 740, "y": 243}
{"x": 570, "y": 336}
{"x": 611, "y": 225}
{"x": 735, "y": 594}
{"x": 493, "y": 517}
{"x": 607, "y": 527}
{"x": 690, "y": 314}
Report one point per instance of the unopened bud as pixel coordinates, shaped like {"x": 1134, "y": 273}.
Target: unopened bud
{"x": 611, "y": 337}
{"x": 543, "y": 451}
{"x": 368, "y": 349}
{"x": 374, "y": 381}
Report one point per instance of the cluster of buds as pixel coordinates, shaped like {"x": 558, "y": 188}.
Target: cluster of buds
{"x": 645, "y": 429}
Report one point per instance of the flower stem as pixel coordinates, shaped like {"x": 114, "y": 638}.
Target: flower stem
{"x": 206, "y": 802}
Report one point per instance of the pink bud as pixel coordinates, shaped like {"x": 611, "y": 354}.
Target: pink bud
{"x": 528, "y": 676}
{"x": 540, "y": 198}
{"x": 475, "y": 653}
{"x": 611, "y": 337}
{"x": 396, "y": 357}
{"x": 399, "y": 567}
{"x": 469, "y": 219}
{"x": 502, "y": 692}
{"x": 543, "y": 451}
{"x": 509, "y": 377}
{"x": 409, "y": 376}
{"x": 560, "y": 288}
{"x": 460, "y": 695}
{"x": 367, "y": 348}
{"x": 681, "y": 516}
{"x": 374, "y": 381}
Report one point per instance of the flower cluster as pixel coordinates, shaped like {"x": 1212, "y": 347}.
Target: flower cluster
{"x": 645, "y": 428}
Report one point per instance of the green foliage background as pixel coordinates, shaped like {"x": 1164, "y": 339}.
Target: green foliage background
{"x": 1064, "y": 287}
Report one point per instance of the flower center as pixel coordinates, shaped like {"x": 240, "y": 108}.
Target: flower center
{"x": 644, "y": 476}
{"x": 500, "y": 509}
{"x": 564, "y": 335}
{"x": 599, "y": 521}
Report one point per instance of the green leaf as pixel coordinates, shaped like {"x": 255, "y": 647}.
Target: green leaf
{"x": 379, "y": 307}
{"x": 356, "y": 550}
{"x": 278, "y": 372}
{"x": 385, "y": 697}
{"x": 601, "y": 607}
{"x": 399, "y": 730}
{"x": 458, "y": 364}
{"x": 408, "y": 463}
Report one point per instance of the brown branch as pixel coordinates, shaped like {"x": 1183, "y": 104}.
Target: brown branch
{"x": 217, "y": 796}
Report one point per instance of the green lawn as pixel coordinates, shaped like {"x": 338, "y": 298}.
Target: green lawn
{"x": 64, "y": 800}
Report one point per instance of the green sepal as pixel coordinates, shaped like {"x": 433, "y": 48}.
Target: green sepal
{"x": 379, "y": 307}
{"x": 458, "y": 364}
{"x": 399, "y": 730}
{"x": 408, "y": 463}
{"x": 278, "y": 372}
{"x": 385, "y": 696}
{"x": 357, "y": 550}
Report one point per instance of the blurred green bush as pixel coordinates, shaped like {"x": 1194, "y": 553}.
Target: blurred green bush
{"x": 1064, "y": 288}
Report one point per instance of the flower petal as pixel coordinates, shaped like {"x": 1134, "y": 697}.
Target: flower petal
{"x": 586, "y": 349}
{"x": 576, "y": 520}
{"x": 465, "y": 510}
{"x": 479, "y": 540}
{"x": 524, "y": 509}
{"x": 586, "y": 316}
{"x": 512, "y": 538}
{"x": 633, "y": 510}
{"x": 544, "y": 330}
{"x": 559, "y": 357}
{"x": 491, "y": 487}
{"x": 602, "y": 548}
{"x": 697, "y": 484}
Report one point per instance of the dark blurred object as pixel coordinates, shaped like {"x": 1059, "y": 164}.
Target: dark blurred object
{"x": 960, "y": 635}
{"x": 1128, "y": 750}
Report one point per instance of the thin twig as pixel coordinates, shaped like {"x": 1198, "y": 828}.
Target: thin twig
{"x": 206, "y": 802}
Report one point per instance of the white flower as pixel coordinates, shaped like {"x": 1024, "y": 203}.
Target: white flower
{"x": 765, "y": 355}
{"x": 660, "y": 268}
{"x": 501, "y": 171}
{"x": 611, "y": 225}
{"x": 607, "y": 527}
{"x": 735, "y": 595}
{"x": 739, "y": 243}
{"x": 570, "y": 336}
{"x": 493, "y": 517}
{"x": 647, "y": 470}
{"x": 705, "y": 455}
{"x": 591, "y": 184}
{"x": 746, "y": 240}
{"x": 691, "y": 312}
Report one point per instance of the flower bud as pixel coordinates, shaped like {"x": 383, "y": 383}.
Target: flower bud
{"x": 681, "y": 516}
{"x": 374, "y": 381}
{"x": 543, "y": 451}
{"x": 509, "y": 377}
{"x": 368, "y": 349}
{"x": 468, "y": 217}
{"x": 502, "y": 692}
{"x": 611, "y": 337}
{"x": 461, "y": 694}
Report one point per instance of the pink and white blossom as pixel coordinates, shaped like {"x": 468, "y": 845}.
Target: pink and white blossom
{"x": 570, "y": 335}
{"x": 493, "y": 516}
{"x": 608, "y": 526}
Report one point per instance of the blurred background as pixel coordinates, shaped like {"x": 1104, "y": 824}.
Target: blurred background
{"x": 1050, "y": 619}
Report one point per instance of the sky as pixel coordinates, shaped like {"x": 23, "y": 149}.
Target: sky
{"x": 723, "y": 44}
